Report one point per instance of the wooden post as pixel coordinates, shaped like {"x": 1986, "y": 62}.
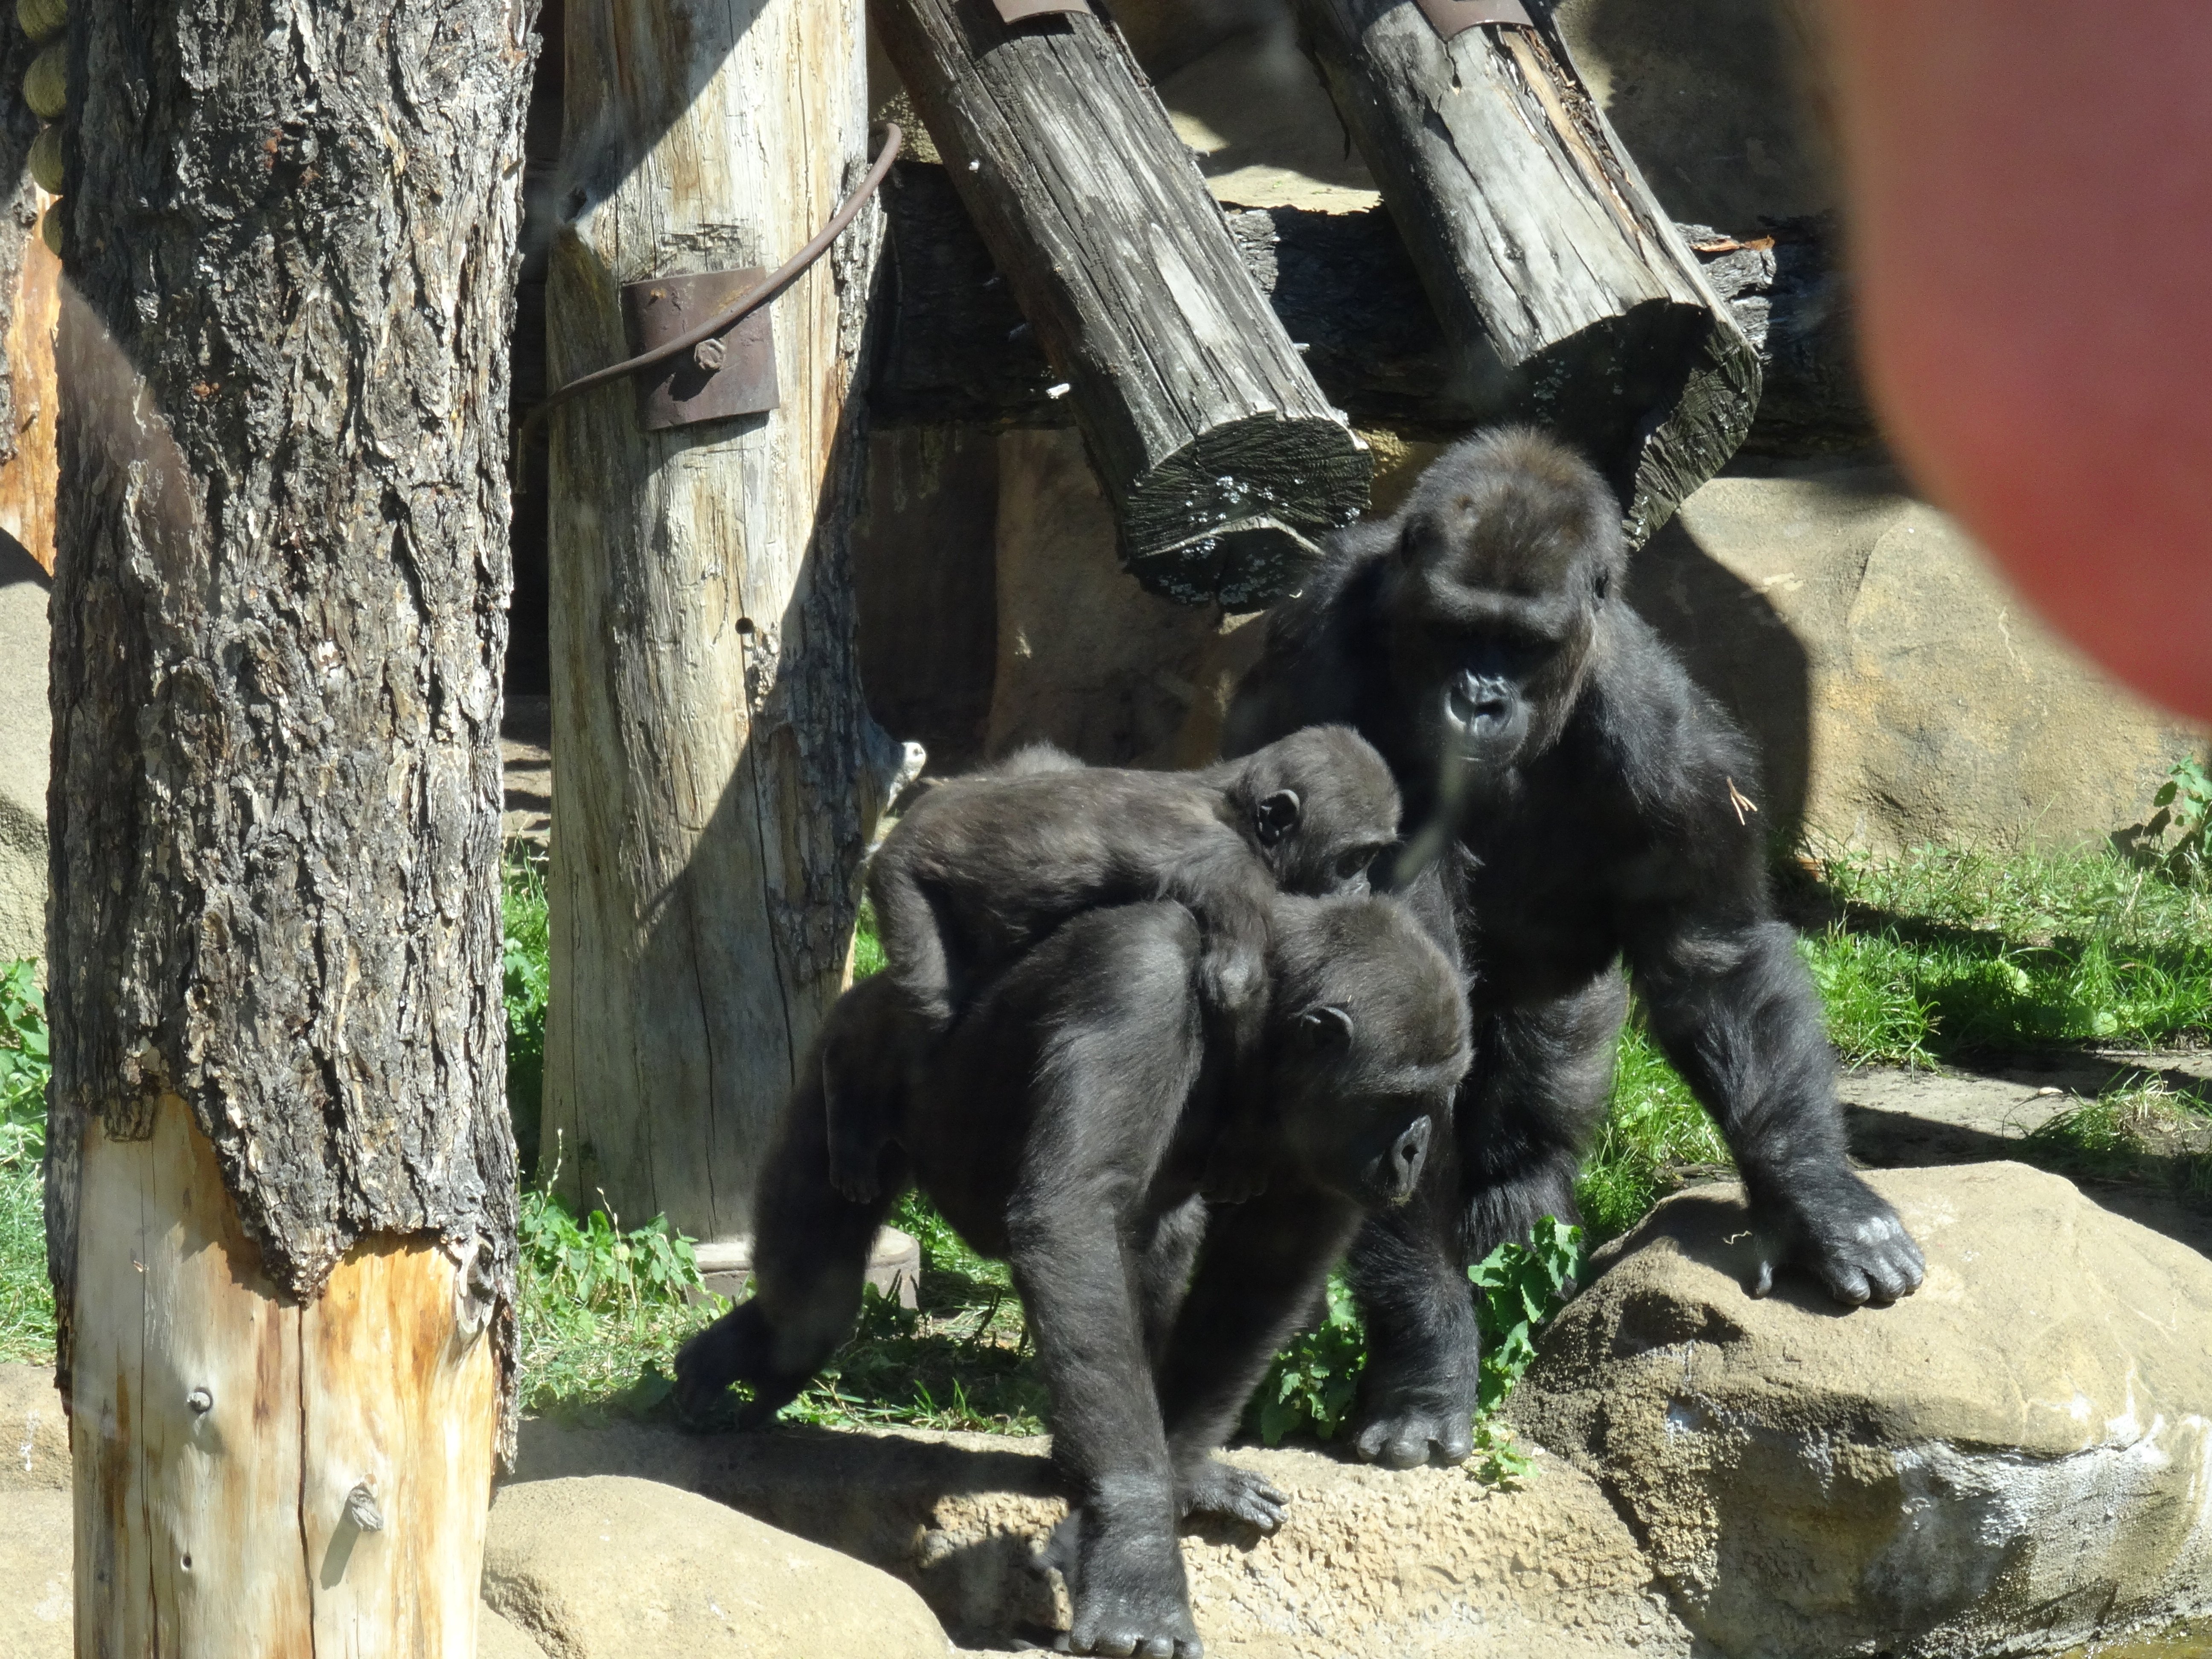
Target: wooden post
{"x": 1221, "y": 457}
{"x": 716, "y": 773}
{"x": 280, "y": 1186}
{"x": 1539, "y": 243}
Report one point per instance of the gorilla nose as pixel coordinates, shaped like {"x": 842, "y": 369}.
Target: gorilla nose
{"x": 1478, "y": 698}
{"x": 1406, "y": 1157}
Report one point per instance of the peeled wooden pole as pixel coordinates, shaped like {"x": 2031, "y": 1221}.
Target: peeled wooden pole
{"x": 1222, "y": 458}
{"x": 1540, "y": 244}
{"x": 281, "y": 1185}
{"x": 716, "y": 773}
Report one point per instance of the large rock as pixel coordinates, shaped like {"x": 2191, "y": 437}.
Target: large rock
{"x": 34, "y": 1447}
{"x": 1899, "y": 692}
{"x": 2016, "y": 1460}
{"x": 616, "y": 1568}
{"x": 36, "y": 1611}
{"x": 1425, "y": 1564}
{"x": 26, "y": 741}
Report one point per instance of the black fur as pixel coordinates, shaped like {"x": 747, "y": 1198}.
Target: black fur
{"x": 1065, "y": 1123}
{"x": 1572, "y": 800}
{"x": 984, "y": 866}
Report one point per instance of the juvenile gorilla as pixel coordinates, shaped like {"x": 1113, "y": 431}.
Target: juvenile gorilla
{"x": 1582, "y": 802}
{"x": 1065, "y": 1124}
{"x": 984, "y": 866}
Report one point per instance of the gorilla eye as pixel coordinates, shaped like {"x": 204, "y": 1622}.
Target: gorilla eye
{"x": 1353, "y": 864}
{"x": 1604, "y": 581}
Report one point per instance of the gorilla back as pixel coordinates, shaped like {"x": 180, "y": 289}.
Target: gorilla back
{"x": 1572, "y": 800}
{"x": 1066, "y": 1123}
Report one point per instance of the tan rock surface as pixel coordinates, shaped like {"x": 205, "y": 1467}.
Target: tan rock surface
{"x": 497, "y": 1639}
{"x": 610, "y": 1567}
{"x": 1426, "y": 1563}
{"x": 2016, "y": 1459}
{"x": 36, "y": 1611}
{"x": 34, "y": 1451}
{"x": 1899, "y": 692}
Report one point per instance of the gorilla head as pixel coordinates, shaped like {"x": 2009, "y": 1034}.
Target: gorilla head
{"x": 1369, "y": 1039}
{"x": 1506, "y": 551}
{"x": 1320, "y": 804}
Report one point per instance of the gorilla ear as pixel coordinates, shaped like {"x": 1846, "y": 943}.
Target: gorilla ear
{"x": 1276, "y": 815}
{"x": 1326, "y": 1027}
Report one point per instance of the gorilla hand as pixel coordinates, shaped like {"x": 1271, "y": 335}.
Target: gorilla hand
{"x": 1217, "y": 1488}
{"x": 1845, "y": 1235}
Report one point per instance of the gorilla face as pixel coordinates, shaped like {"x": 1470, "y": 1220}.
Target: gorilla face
{"x": 1504, "y": 557}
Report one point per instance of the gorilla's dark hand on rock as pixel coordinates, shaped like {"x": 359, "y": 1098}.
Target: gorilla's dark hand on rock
{"x": 1222, "y": 1489}
{"x": 1851, "y": 1239}
{"x": 1410, "y": 1423}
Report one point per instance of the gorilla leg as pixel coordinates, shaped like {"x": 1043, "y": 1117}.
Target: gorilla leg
{"x": 1258, "y": 1272}
{"x": 810, "y": 1259}
{"x": 1522, "y": 1120}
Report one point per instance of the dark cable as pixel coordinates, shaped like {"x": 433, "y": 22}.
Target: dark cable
{"x": 785, "y": 275}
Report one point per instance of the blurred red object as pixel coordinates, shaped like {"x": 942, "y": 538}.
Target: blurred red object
{"x": 2030, "y": 189}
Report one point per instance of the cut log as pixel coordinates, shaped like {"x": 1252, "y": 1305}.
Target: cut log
{"x": 1221, "y": 457}
{"x": 280, "y": 1186}
{"x": 1535, "y": 235}
{"x": 716, "y": 777}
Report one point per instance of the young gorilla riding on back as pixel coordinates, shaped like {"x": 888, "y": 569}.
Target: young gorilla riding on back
{"x": 1584, "y": 803}
{"x": 984, "y": 866}
{"x": 1066, "y": 1123}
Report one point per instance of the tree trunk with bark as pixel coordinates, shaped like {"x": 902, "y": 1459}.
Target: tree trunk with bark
{"x": 281, "y": 1185}
{"x": 716, "y": 773}
{"x": 1540, "y": 245}
{"x": 30, "y": 300}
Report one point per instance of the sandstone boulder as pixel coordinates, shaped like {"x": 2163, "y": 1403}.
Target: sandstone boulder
{"x": 1424, "y": 1563}
{"x": 36, "y": 1611}
{"x": 2016, "y": 1460}
{"x": 616, "y": 1568}
{"x": 35, "y": 1449}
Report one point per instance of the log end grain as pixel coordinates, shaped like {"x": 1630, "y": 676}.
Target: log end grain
{"x": 1234, "y": 517}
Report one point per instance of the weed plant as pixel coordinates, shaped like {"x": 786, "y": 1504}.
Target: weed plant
{"x": 26, "y": 1300}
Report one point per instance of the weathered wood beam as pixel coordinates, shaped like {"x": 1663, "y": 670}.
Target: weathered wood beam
{"x": 1535, "y": 235}
{"x": 1346, "y": 292}
{"x": 1221, "y": 455}
{"x": 716, "y": 777}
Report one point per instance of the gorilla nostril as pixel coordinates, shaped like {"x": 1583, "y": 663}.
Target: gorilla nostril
{"x": 1412, "y": 1147}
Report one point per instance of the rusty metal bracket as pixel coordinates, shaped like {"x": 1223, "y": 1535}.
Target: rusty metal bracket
{"x": 1020, "y": 11}
{"x": 1451, "y": 18}
{"x": 732, "y": 372}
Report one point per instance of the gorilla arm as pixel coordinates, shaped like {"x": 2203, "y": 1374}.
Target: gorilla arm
{"x": 1734, "y": 1008}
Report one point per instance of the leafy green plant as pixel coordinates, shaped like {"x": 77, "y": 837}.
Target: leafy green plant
{"x": 595, "y": 1266}
{"x": 1517, "y": 1287}
{"x": 24, "y": 1065}
{"x": 2184, "y": 805}
{"x": 1311, "y": 1385}
{"x": 527, "y": 980}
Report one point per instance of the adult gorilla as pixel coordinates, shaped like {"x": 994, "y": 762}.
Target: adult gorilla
{"x": 1572, "y": 800}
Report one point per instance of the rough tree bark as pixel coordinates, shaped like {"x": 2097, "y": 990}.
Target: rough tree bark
{"x": 1224, "y": 461}
{"x": 1535, "y": 235}
{"x": 281, "y": 1185}
{"x": 715, "y": 773}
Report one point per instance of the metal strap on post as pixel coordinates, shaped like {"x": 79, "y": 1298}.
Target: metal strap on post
{"x": 1451, "y": 18}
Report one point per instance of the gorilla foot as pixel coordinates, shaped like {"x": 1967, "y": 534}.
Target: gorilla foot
{"x": 1152, "y": 1621}
{"x": 734, "y": 1349}
{"x": 1407, "y": 1424}
{"x": 1846, "y": 1236}
{"x": 1222, "y": 1489}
